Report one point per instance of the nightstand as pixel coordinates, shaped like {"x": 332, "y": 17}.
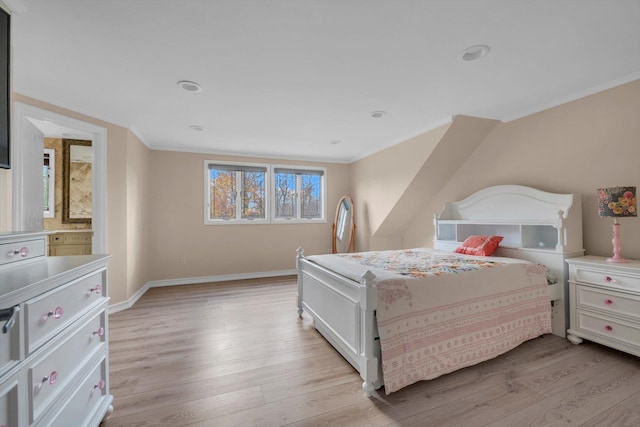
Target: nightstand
{"x": 604, "y": 302}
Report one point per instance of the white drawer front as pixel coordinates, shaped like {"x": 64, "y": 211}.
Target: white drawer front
{"x": 610, "y": 301}
{"x": 18, "y": 251}
{"x": 609, "y": 279}
{"x": 50, "y": 373}
{"x": 85, "y": 401}
{"x": 9, "y": 339}
{"x": 49, "y": 313}
{"x": 610, "y": 329}
{"x": 9, "y": 409}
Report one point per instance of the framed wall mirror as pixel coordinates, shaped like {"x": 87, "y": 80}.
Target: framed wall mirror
{"x": 49, "y": 177}
{"x": 76, "y": 181}
{"x": 343, "y": 228}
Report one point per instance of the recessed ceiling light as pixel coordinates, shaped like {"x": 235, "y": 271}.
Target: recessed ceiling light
{"x": 196, "y": 128}
{"x": 378, "y": 114}
{"x": 189, "y": 86}
{"x": 474, "y": 53}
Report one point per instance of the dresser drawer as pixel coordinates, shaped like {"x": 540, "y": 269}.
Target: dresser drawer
{"x": 615, "y": 330}
{"x": 9, "y": 409}
{"x": 73, "y": 238}
{"x": 50, "y": 373}
{"x": 609, "y": 278}
{"x": 82, "y": 406}
{"x": 10, "y": 326}
{"x": 608, "y": 301}
{"x": 49, "y": 313}
{"x": 19, "y": 251}
{"x": 66, "y": 250}
{"x": 77, "y": 238}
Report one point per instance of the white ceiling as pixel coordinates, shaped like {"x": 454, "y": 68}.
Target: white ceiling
{"x": 285, "y": 78}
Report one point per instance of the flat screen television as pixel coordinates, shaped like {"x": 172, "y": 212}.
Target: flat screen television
{"x": 5, "y": 152}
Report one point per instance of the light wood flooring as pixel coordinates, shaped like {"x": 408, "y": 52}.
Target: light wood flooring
{"x": 236, "y": 354}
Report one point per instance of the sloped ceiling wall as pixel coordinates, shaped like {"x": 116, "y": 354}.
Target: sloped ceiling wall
{"x": 391, "y": 186}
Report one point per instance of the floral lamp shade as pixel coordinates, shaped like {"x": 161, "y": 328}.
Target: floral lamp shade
{"x": 617, "y": 202}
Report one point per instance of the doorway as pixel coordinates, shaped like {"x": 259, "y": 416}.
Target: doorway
{"x": 27, "y": 152}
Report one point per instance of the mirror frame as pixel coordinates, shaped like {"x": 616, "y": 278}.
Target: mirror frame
{"x": 51, "y": 183}
{"x": 66, "y": 180}
{"x": 351, "y": 246}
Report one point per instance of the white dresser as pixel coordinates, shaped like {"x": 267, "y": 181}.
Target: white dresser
{"x": 54, "y": 368}
{"x": 605, "y": 303}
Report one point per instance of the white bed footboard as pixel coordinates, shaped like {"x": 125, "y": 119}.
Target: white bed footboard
{"x": 343, "y": 311}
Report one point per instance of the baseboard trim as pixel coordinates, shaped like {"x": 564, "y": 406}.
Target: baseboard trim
{"x": 192, "y": 281}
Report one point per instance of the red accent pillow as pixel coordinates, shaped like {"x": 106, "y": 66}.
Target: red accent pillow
{"x": 479, "y": 245}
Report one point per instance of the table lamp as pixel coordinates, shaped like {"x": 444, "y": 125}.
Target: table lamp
{"x": 617, "y": 202}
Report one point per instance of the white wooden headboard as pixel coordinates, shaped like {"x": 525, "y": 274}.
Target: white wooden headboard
{"x": 531, "y": 213}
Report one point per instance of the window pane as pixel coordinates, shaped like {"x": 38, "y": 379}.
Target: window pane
{"x": 253, "y": 192}
{"x": 311, "y": 203}
{"x": 285, "y": 195}
{"x": 222, "y": 193}
{"x": 243, "y": 193}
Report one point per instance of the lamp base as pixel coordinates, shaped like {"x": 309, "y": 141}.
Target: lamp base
{"x": 616, "y": 244}
{"x": 618, "y": 260}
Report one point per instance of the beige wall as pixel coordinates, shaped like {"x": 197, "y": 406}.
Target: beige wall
{"x": 577, "y": 147}
{"x": 178, "y": 230}
{"x": 378, "y": 181}
{"x": 390, "y": 186}
{"x": 138, "y": 213}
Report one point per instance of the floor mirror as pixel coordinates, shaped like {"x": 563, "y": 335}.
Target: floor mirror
{"x": 343, "y": 227}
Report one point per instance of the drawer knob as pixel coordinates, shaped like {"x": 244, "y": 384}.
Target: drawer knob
{"x": 608, "y": 279}
{"x": 97, "y": 289}
{"x": 51, "y": 378}
{"x": 608, "y": 328}
{"x": 608, "y": 301}
{"x": 99, "y": 332}
{"x": 57, "y": 313}
{"x": 100, "y": 385}
{"x": 23, "y": 252}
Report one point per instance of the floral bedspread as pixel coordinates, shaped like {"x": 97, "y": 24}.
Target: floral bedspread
{"x": 419, "y": 262}
{"x": 439, "y": 312}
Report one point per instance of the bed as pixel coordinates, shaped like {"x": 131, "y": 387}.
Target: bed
{"x": 397, "y": 322}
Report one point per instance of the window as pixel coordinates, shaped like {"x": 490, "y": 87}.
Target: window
{"x": 243, "y": 193}
{"x": 48, "y": 174}
{"x": 298, "y": 194}
{"x": 235, "y": 192}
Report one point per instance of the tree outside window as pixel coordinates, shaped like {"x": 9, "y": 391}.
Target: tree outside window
{"x": 298, "y": 193}
{"x": 237, "y": 192}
